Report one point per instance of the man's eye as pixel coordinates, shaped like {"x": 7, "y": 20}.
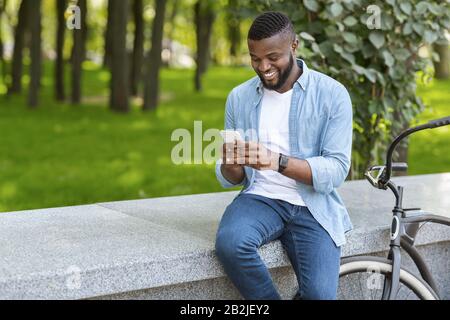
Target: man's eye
{"x": 274, "y": 58}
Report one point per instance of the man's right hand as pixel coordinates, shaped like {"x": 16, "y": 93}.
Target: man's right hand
{"x": 231, "y": 169}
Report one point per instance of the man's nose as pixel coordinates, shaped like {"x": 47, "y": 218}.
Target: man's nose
{"x": 264, "y": 66}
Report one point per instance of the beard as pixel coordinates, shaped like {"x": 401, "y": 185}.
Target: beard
{"x": 282, "y": 76}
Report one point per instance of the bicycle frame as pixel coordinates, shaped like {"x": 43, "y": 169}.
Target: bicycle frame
{"x": 404, "y": 229}
{"x": 403, "y": 233}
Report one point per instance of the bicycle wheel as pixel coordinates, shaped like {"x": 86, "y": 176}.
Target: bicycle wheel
{"x": 362, "y": 278}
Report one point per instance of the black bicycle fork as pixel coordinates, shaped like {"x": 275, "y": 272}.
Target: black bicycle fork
{"x": 391, "y": 284}
{"x": 403, "y": 233}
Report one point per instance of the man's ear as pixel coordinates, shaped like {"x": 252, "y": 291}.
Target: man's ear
{"x": 294, "y": 45}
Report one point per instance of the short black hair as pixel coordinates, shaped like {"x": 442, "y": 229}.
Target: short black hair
{"x": 269, "y": 24}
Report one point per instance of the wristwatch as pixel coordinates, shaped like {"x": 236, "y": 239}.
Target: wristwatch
{"x": 282, "y": 162}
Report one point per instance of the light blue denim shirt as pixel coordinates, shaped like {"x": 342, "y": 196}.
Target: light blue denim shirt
{"x": 320, "y": 132}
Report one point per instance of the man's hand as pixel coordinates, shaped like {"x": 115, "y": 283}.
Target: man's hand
{"x": 236, "y": 155}
{"x": 250, "y": 154}
{"x": 232, "y": 171}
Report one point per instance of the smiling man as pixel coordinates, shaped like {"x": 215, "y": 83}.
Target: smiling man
{"x": 289, "y": 169}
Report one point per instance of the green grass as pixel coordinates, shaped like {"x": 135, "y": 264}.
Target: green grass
{"x": 61, "y": 155}
{"x": 429, "y": 150}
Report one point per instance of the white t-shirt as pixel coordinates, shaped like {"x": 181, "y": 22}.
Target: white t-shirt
{"x": 274, "y": 135}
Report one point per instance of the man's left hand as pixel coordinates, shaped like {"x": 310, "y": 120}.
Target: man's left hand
{"x": 257, "y": 156}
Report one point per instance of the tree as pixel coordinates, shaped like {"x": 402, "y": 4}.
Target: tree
{"x": 171, "y": 24}
{"x": 119, "y": 100}
{"x": 2, "y": 5}
{"x": 61, "y": 6}
{"x": 234, "y": 25}
{"x": 35, "y": 52}
{"x": 374, "y": 55}
{"x": 78, "y": 53}
{"x": 138, "y": 46}
{"x": 19, "y": 43}
{"x": 442, "y": 67}
{"x": 154, "y": 58}
{"x": 2, "y": 59}
{"x": 108, "y": 34}
{"x": 204, "y": 18}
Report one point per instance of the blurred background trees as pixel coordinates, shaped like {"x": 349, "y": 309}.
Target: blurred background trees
{"x": 208, "y": 31}
{"x": 132, "y": 40}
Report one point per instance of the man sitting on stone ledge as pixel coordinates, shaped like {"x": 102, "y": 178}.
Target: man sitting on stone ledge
{"x": 289, "y": 171}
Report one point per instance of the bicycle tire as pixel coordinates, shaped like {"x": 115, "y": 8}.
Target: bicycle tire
{"x": 361, "y": 264}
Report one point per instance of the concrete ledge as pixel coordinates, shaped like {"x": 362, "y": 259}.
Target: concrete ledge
{"x": 164, "y": 247}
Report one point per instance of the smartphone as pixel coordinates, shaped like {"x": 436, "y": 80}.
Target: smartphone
{"x": 229, "y": 136}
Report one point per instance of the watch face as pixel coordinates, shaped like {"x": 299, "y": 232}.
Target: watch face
{"x": 283, "y": 162}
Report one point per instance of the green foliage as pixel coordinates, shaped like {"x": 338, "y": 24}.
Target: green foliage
{"x": 378, "y": 66}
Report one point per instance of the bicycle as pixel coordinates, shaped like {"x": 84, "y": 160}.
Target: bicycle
{"x": 369, "y": 277}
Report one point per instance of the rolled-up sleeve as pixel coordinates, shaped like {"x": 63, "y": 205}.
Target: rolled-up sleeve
{"x": 330, "y": 169}
{"x": 229, "y": 125}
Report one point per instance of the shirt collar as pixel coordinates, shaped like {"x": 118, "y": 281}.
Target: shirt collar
{"x": 302, "y": 80}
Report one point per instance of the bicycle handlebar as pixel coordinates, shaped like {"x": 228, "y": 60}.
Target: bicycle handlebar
{"x": 439, "y": 122}
{"x": 385, "y": 172}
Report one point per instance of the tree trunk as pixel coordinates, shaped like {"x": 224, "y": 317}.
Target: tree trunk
{"x": 61, "y": 6}
{"x": 2, "y": 59}
{"x": 119, "y": 59}
{"x": 204, "y": 18}
{"x": 442, "y": 68}
{"x": 19, "y": 43}
{"x": 154, "y": 58}
{"x": 35, "y": 52}
{"x": 234, "y": 24}
{"x": 78, "y": 54}
{"x": 108, "y": 35}
{"x": 402, "y": 155}
{"x": 1, "y": 41}
{"x": 173, "y": 15}
{"x": 138, "y": 46}
{"x": 401, "y": 152}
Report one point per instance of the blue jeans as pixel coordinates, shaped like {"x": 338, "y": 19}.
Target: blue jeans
{"x": 251, "y": 221}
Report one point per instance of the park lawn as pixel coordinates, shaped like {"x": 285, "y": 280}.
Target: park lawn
{"x": 61, "y": 155}
{"x": 429, "y": 150}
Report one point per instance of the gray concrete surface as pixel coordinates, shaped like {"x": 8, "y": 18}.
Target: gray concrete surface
{"x": 164, "y": 247}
